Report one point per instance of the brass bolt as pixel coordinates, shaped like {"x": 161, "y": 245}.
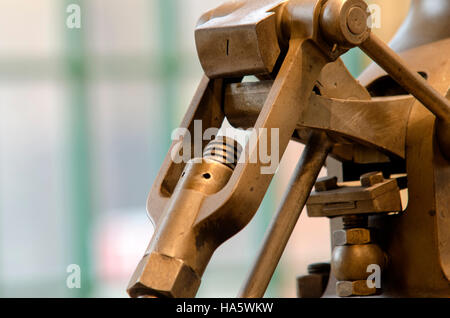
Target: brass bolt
{"x": 372, "y": 178}
{"x": 355, "y": 288}
{"x": 355, "y": 236}
{"x": 326, "y": 184}
{"x": 159, "y": 275}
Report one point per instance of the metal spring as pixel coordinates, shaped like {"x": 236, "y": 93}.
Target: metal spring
{"x": 224, "y": 150}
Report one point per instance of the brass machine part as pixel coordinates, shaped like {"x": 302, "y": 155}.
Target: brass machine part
{"x": 169, "y": 267}
{"x": 293, "y": 47}
{"x": 414, "y": 84}
{"x": 350, "y": 262}
{"x": 348, "y": 27}
{"x": 355, "y": 251}
{"x": 381, "y": 196}
{"x": 215, "y": 218}
{"x": 354, "y": 288}
{"x": 344, "y": 23}
{"x": 306, "y": 172}
{"x": 354, "y": 247}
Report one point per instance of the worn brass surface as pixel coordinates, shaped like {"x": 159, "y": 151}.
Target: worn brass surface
{"x": 207, "y": 220}
{"x": 351, "y": 198}
{"x": 372, "y": 178}
{"x": 418, "y": 241}
{"x": 384, "y": 119}
{"x": 411, "y": 81}
{"x": 177, "y": 255}
{"x": 350, "y": 262}
{"x": 246, "y": 31}
{"x": 293, "y": 47}
{"x": 355, "y": 288}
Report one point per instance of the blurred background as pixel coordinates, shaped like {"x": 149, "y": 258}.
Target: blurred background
{"x": 85, "y": 122}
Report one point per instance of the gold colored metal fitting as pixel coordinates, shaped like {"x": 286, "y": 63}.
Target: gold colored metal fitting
{"x": 357, "y": 20}
{"x": 356, "y": 236}
{"x": 371, "y": 179}
{"x": 163, "y": 276}
{"x": 351, "y": 199}
{"x": 178, "y": 252}
{"x": 207, "y": 176}
{"x": 350, "y": 262}
{"x": 345, "y": 22}
{"x": 355, "y": 288}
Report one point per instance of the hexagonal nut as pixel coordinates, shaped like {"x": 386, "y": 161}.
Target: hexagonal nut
{"x": 357, "y": 236}
{"x": 163, "y": 276}
{"x": 355, "y": 288}
{"x": 371, "y": 179}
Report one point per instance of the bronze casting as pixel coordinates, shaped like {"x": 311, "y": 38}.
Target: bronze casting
{"x": 389, "y": 131}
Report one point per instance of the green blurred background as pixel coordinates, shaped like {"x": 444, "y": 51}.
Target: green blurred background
{"x": 85, "y": 122}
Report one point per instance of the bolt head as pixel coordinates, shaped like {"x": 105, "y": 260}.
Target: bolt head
{"x": 326, "y": 184}
{"x": 356, "y": 236}
{"x": 163, "y": 276}
{"x": 354, "y": 288}
{"x": 345, "y": 22}
{"x": 350, "y": 262}
{"x": 372, "y": 178}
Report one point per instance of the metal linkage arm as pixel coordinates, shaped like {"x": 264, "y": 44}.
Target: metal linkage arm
{"x": 345, "y": 23}
{"x": 300, "y": 186}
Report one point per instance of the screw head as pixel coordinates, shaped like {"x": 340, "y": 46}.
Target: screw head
{"x": 163, "y": 276}
{"x": 371, "y": 179}
{"x": 357, "y": 20}
{"x": 355, "y": 288}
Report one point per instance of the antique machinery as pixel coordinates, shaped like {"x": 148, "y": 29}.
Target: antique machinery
{"x": 389, "y": 134}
